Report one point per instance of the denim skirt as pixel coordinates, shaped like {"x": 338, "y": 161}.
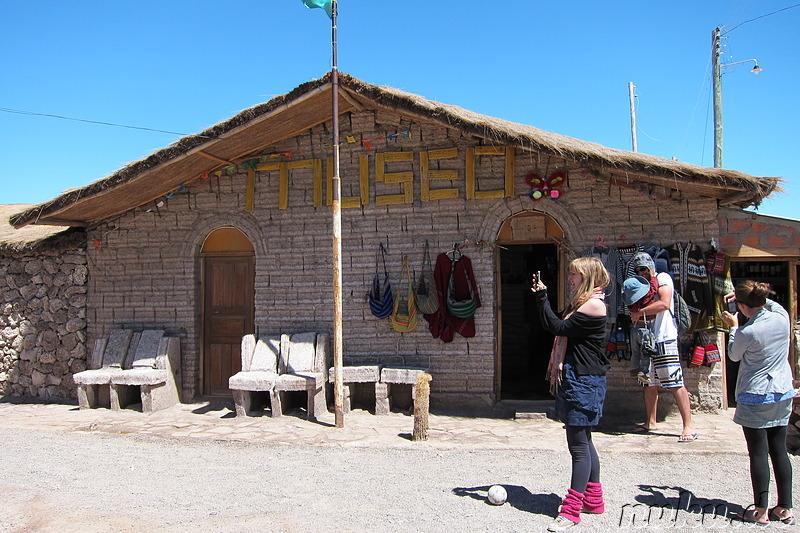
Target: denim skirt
{"x": 579, "y": 401}
{"x": 764, "y": 415}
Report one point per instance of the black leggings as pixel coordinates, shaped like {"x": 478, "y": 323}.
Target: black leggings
{"x": 585, "y": 462}
{"x": 764, "y": 444}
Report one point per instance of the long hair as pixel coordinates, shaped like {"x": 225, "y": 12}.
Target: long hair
{"x": 752, "y": 293}
{"x": 594, "y": 276}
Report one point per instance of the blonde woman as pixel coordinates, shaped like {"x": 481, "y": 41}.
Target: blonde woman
{"x": 577, "y": 374}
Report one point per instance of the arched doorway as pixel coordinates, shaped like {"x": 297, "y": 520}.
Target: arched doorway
{"x": 227, "y": 285}
{"x": 528, "y": 245}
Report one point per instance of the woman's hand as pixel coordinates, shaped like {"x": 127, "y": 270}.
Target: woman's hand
{"x": 730, "y": 297}
{"x": 730, "y": 320}
{"x": 536, "y": 284}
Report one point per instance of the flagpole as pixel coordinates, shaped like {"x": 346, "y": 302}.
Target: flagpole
{"x": 338, "y": 386}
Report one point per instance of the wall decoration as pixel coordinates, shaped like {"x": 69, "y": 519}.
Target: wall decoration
{"x": 545, "y": 188}
{"x": 473, "y": 153}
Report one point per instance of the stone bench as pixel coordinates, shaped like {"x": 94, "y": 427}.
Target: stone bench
{"x": 395, "y": 375}
{"x": 356, "y": 374}
{"x": 279, "y": 364}
{"x": 132, "y": 365}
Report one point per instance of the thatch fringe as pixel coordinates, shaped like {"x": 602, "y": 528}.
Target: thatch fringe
{"x": 501, "y": 131}
{"x": 34, "y": 238}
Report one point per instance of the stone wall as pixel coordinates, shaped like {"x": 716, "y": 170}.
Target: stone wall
{"x": 42, "y": 322}
{"x": 146, "y": 269}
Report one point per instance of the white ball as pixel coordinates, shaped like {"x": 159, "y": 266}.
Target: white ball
{"x": 497, "y": 495}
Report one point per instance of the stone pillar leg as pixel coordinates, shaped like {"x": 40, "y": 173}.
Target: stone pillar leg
{"x": 114, "y": 393}
{"x": 241, "y": 400}
{"x": 382, "y": 406}
{"x": 87, "y": 396}
{"x": 275, "y": 403}
{"x": 316, "y": 403}
{"x": 346, "y": 398}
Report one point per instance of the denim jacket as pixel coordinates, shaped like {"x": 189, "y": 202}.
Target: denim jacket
{"x": 762, "y": 346}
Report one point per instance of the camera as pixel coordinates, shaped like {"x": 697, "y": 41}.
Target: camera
{"x": 732, "y": 307}
{"x": 535, "y": 278}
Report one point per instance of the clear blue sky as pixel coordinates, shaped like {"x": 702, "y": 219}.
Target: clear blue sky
{"x": 184, "y": 65}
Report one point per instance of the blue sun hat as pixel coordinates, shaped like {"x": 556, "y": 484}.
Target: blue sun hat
{"x": 634, "y": 289}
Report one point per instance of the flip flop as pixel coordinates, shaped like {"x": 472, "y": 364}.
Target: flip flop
{"x": 642, "y": 430}
{"x": 789, "y": 520}
{"x": 691, "y": 437}
{"x": 749, "y": 518}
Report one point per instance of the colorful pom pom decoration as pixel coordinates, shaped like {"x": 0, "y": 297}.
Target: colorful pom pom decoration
{"x": 541, "y": 188}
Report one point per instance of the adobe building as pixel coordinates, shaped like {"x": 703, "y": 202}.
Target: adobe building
{"x": 229, "y": 232}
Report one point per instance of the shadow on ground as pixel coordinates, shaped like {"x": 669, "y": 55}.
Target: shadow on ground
{"x": 518, "y": 497}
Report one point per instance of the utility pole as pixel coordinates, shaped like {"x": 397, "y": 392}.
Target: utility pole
{"x": 631, "y": 96}
{"x": 716, "y": 75}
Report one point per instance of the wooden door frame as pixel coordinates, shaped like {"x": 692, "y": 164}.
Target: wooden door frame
{"x": 203, "y": 286}
{"x": 553, "y": 234}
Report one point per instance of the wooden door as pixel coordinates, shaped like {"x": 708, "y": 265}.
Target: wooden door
{"x": 228, "y": 285}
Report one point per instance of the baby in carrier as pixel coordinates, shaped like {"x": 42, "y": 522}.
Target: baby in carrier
{"x": 637, "y": 292}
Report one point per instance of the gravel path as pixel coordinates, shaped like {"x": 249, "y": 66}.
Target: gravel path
{"x": 57, "y": 481}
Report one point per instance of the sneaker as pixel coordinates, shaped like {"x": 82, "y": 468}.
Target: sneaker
{"x": 561, "y": 523}
{"x": 643, "y": 378}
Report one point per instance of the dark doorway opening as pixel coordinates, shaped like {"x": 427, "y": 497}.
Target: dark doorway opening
{"x": 525, "y": 345}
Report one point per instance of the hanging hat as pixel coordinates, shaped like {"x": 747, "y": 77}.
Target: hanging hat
{"x": 634, "y": 289}
{"x": 642, "y": 259}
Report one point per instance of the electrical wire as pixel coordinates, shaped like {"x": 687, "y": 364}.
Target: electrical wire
{"x": 761, "y": 17}
{"x": 20, "y": 112}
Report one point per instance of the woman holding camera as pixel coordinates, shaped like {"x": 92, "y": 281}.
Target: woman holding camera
{"x": 764, "y": 393}
{"x": 577, "y": 374}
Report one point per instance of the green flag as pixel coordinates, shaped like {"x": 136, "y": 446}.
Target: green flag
{"x": 324, "y": 4}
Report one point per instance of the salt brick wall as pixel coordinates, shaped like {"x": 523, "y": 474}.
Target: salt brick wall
{"x": 146, "y": 271}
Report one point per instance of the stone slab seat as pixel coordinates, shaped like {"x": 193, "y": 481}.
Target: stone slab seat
{"x": 109, "y": 356}
{"x": 128, "y": 360}
{"x": 259, "y": 371}
{"x": 395, "y": 375}
{"x": 302, "y": 364}
{"x": 355, "y": 374}
{"x": 155, "y": 370}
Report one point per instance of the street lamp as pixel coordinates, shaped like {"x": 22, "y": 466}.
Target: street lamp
{"x": 716, "y": 74}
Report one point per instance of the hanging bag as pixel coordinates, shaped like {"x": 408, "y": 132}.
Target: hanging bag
{"x": 427, "y": 296}
{"x": 460, "y": 308}
{"x": 404, "y": 314}
{"x": 648, "y": 346}
{"x": 380, "y": 297}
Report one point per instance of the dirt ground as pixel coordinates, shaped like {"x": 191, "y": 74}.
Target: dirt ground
{"x": 82, "y": 480}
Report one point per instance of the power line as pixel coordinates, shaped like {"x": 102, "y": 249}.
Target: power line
{"x": 761, "y": 17}
{"x": 20, "y": 112}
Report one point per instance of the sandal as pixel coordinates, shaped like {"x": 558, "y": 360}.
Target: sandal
{"x": 691, "y": 437}
{"x": 749, "y": 516}
{"x": 788, "y": 520}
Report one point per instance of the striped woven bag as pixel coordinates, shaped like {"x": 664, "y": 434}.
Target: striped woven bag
{"x": 380, "y": 296}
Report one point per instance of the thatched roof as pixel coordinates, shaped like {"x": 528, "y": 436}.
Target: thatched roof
{"x": 30, "y": 238}
{"x": 256, "y": 128}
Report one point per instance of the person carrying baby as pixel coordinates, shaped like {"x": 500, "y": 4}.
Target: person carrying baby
{"x": 637, "y": 292}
